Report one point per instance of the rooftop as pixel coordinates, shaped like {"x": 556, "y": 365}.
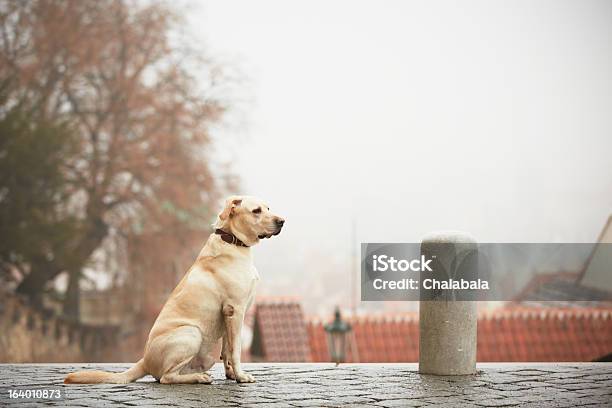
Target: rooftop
{"x": 514, "y": 334}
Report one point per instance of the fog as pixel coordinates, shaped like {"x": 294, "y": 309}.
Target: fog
{"x": 404, "y": 118}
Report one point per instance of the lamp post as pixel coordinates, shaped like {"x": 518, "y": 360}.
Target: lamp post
{"x": 336, "y": 337}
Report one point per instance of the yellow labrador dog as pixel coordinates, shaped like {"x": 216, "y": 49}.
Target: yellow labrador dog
{"x": 209, "y": 303}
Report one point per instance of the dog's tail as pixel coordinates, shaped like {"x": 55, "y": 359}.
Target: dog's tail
{"x": 98, "y": 377}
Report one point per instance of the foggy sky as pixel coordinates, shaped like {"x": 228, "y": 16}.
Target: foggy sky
{"x": 493, "y": 118}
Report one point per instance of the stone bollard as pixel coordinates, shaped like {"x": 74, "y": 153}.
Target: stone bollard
{"x": 447, "y": 322}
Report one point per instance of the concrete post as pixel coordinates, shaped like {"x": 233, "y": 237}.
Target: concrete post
{"x": 447, "y": 338}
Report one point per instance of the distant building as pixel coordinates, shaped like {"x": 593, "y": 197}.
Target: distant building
{"x": 279, "y": 333}
{"x": 282, "y": 334}
{"x": 597, "y": 273}
{"x": 590, "y": 287}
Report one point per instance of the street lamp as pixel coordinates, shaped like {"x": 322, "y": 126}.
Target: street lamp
{"x": 336, "y": 337}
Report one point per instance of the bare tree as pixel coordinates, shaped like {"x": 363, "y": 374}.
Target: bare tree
{"x": 115, "y": 70}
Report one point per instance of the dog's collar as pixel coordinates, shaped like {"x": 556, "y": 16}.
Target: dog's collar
{"x": 230, "y": 238}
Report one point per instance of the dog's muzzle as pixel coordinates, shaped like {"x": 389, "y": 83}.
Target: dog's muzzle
{"x": 279, "y": 226}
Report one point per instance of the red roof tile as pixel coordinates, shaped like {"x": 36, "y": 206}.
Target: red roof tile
{"x": 279, "y": 332}
{"x": 373, "y": 339}
{"x": 514, "y": 334}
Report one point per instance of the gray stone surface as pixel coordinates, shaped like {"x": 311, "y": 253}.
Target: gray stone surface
{"x": 447, "y": 329}
{"x": 323, "y": 385}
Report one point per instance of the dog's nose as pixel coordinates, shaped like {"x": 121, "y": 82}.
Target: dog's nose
{"x": 280, "y": 222}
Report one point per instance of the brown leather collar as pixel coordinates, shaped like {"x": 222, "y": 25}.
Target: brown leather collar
{"x": 230, "y": 238}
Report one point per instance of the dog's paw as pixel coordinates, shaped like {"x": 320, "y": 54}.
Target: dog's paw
{"x": 244, "y": 378}
{"x": 204, "y": 378}
{"x": 229, "y": 374}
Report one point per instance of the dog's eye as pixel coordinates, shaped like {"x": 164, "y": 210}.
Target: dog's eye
{"x": 257, "y": 210}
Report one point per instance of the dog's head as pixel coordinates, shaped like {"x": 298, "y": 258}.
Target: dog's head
{"x": 249, "y": 219}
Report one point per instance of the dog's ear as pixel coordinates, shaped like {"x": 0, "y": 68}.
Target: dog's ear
{"x": 230, "y": 206}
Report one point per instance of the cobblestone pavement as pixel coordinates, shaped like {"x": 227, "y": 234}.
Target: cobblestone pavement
{"x": 323, "y": 385}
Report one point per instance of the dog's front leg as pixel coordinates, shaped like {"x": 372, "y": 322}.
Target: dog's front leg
{"x": 233, "y": 318}
{"x": 225, "y": 355}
